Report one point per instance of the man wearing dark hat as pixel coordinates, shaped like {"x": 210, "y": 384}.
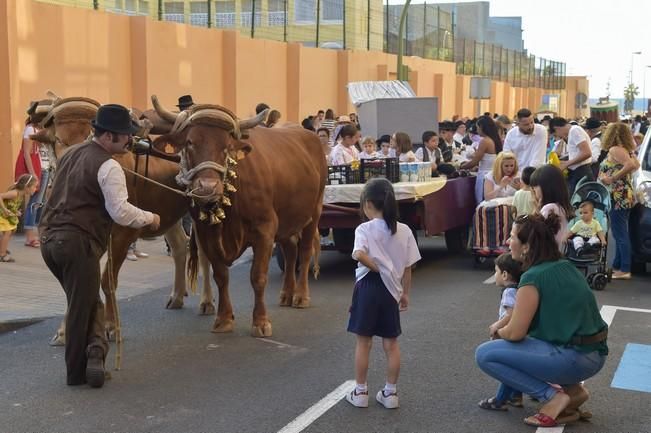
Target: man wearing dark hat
{"x": 88, "y": 194}
{"x": 185, "y": 102}
{"x": 593, "y": 127}
{"x": 447, "y": 144}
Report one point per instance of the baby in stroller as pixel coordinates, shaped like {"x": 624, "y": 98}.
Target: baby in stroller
{"x": 587, "y": 229}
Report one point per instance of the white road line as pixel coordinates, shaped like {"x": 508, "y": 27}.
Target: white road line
{"x": 608, "y": 312}
{"x": 490, "y": 280}
{"x": 312, "y": 414}
{"x": 558, "y": 429}
{"x": 278, "y": 343}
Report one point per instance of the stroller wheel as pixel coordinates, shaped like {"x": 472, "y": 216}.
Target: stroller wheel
{"x": 599, "y": 282}
{"x": 590, "y": 279}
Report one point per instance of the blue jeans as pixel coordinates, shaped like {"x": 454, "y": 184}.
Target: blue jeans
{"x": 619, "y": 226}
{"x": 33, "y": 212}
{"x": 531, "y": 365}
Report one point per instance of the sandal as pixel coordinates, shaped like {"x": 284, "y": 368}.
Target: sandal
{"x": 491, "y": 404}
{"x": 7, "y": 259}
{"x": 540, "y": 420}
{"x": 35, "y": 243}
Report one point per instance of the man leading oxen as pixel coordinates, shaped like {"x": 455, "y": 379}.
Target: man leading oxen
{"x": 251, "y": 187}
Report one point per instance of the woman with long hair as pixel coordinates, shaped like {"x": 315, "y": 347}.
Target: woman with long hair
{"x": 484, "y": 157}
{"x": 556, "y": 334}
{"x": 502, "y": 180}
{"x": 551, "y": 195}
{"x": 615, "y": 172}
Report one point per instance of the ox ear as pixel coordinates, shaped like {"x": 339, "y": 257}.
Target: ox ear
{"x": 169, "y": 143}
{"x": 240, "y": 150}
{"x": 44, "y": 136}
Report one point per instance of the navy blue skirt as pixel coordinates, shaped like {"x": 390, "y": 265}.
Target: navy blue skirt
{"x": 374, "y": 311}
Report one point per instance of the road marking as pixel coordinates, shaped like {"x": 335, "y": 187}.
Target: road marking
{"x": 490, "y": 280}
{"x": 278, "y": 343}
{"x": 312, "y": 414}
{"x": 608, "y": 312}
{"x": 558, "y": 429}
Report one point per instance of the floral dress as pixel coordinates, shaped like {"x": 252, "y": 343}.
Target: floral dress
{"x": 9, "y": 223}
{"x": 621, "y": 190}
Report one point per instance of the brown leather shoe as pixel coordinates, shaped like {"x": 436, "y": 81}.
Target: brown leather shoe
{"x": 95, "y": 367}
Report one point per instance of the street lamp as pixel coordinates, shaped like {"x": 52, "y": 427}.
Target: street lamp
{"x": 633, "y": 54}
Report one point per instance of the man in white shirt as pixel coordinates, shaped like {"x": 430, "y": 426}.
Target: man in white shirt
{"x": 578, "y": 150}
{"x": 89, "y": 193}
{"x": 593, "y": 127}
{"x": 528, "y": 141}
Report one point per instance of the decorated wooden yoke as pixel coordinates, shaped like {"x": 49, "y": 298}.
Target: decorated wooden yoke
{"x": 213, "y": 115}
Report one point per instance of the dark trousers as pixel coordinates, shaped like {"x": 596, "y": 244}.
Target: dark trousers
{"x": 73, "y": 261}
{"x": 576, "y": 175}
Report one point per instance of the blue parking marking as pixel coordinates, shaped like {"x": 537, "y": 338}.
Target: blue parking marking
{"x": 634, "y": 370}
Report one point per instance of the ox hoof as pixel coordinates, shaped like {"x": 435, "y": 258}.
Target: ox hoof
{"x": 261, "y": 331}
{"x": 222, "y": 326}
{"x": 174, "y": 303}
{"x": 206, "y": 309}
{"x": 285, "y": 300}
{"x": 58, "y": 340}
{"x": 300, "y": 302}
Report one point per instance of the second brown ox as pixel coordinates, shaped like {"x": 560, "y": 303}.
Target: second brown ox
{"x": 276, "y": 178}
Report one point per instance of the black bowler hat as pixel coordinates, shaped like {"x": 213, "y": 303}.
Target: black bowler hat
{"x": 592, "y": 123}
{"x": 115, "y": 118}
{"x": 185, "y": 102}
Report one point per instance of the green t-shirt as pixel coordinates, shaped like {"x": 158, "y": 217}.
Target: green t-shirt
{"x": 567, "y": 306}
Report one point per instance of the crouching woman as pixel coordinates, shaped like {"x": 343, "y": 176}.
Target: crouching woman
{"x": 556, "y": 334}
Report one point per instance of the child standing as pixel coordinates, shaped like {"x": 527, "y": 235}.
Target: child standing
{"x": 507, "y": 276}
{"x": 524, "y": 200}
{"x": 587, "y": 229}
{"x": 385, "y": 250}
{"x": 10, "y": 204}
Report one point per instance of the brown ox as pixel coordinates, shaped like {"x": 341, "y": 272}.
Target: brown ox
{"x": 276, "y": 178}
{"x": 68, "y": 123}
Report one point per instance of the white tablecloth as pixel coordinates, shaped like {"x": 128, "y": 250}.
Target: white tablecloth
{"x": 404, "y": 191}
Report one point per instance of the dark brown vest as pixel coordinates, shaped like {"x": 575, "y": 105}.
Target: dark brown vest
{"x": 77, "y": 202}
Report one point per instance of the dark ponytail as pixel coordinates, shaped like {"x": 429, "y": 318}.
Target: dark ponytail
{"x": 379, "y": 192}
{"x": 539, "y": 233}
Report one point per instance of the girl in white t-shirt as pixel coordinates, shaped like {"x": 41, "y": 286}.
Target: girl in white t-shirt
{"x": 404, "y": 148}
{"x": 369, "y": 149}
{"x": 386, "y": 250}
{"x": 551, "y": 194}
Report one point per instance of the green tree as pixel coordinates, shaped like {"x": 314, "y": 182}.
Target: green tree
{"x": 630, "y": 92}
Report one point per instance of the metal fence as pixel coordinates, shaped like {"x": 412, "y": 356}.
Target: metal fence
{"x": 358, "y": 24}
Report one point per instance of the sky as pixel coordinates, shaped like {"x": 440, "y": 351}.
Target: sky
{"x": 594, "y": 38}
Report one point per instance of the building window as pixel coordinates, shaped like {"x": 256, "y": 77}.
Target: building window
{"x": 277, "y": 13}
{"x": 305, "y": 11}
{"x": 199, "y": 13}
{"x": 174, "y": 12}
{"x": 247, "y": 11}
{"x": 332, "y": 11}
{"x": 225, "y": 14}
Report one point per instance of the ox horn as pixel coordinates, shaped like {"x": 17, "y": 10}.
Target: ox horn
{"x": 167, "y": 116}
{"x": 253, "y": 121}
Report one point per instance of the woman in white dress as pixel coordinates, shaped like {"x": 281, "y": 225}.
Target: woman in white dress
{"x": 484, "y": 157}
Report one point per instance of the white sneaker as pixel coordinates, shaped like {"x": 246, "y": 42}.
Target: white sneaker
{"x": 131, "y": 256}
{"x": 390, "y": 401}
{"x": 357, "y": 400}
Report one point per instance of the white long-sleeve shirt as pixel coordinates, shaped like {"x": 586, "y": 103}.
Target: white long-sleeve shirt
{"x": 113, "y": 184}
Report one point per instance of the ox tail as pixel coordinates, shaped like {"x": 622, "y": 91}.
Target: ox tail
{"x": 193, "y": 262}
{"x": 316, "y": 245}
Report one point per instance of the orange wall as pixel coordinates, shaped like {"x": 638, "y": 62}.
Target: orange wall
{"x": 119, "y": 59}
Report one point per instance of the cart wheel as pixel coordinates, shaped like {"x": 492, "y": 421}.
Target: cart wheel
{"x": 456, "y": 240}
{"x": 599, "y": 282}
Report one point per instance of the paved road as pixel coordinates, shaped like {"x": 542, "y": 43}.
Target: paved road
{"x": 177, "y": 376}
